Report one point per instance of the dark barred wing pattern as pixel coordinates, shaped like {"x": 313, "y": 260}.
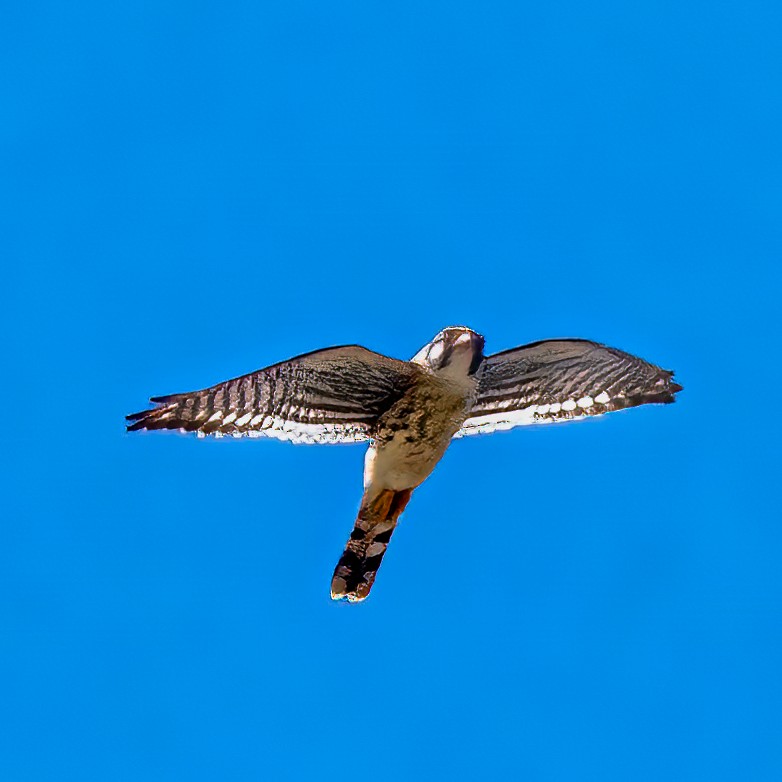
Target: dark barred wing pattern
{"x": 332, "y": 395}
{"x": 559, "y": 380}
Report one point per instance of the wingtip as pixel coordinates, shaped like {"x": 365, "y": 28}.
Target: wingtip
{"x": 141, "y": 419}
{"x": 673, "y": 386}
{"x": 144, "y": 419}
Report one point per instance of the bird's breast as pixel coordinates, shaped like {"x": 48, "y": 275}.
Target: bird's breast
{"x": 413, "y": 436}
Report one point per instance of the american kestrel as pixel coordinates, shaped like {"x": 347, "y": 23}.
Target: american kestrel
{"x": 409, "y": 411}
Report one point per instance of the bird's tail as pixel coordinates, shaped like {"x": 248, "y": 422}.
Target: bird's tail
{"x": 359, "y": 563}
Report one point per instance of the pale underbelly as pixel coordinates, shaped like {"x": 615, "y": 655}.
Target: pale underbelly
{"x": 400, "y": 464}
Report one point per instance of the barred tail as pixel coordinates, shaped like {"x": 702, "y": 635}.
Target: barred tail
{"x": 356, "y": 570}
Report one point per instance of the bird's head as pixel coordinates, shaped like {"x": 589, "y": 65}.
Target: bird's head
{"x": 456, "y": 351}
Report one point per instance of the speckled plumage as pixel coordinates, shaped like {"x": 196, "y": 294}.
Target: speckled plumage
{"x": 410, "y": 411}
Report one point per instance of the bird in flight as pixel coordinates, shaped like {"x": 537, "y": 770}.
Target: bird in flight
{"x": 409, "y": 411}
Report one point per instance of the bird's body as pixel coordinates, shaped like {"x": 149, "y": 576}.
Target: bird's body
{"x": 413, "y": 436}
{"x": 410, "y": 411}
{"x": 409, "y": 440}
{"x": 414, "y": 433}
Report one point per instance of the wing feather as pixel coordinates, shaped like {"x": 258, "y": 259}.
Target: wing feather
{"x": 559, "y": 380}
{"x": 331, "y": 395}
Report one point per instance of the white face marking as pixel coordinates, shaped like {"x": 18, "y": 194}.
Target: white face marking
{"x": 543, "y": 409}
{"x": 554, "y": 409}
{"x": 215, "y": 417}
{"x": 436, "y": 353}
{"x": 602, "y": 398}
{"x": 585, "y": 402}
{"x": 569, "y": 405}
{"x": 230, "y": 418}
{"x": 244, "y": 419}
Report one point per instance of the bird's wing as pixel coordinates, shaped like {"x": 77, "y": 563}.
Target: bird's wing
{"x": 329, "y": 396}
{"x": 558, "y": 380}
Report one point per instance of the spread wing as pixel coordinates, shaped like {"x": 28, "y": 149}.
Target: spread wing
{"x": 329, "y": 396}
{"x": 558, "y": 380}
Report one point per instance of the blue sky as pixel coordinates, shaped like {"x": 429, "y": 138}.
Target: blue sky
{"x": 191, "y": 191}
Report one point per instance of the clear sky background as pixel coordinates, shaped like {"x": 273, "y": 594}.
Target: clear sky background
{"x": 193, "y": 191}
